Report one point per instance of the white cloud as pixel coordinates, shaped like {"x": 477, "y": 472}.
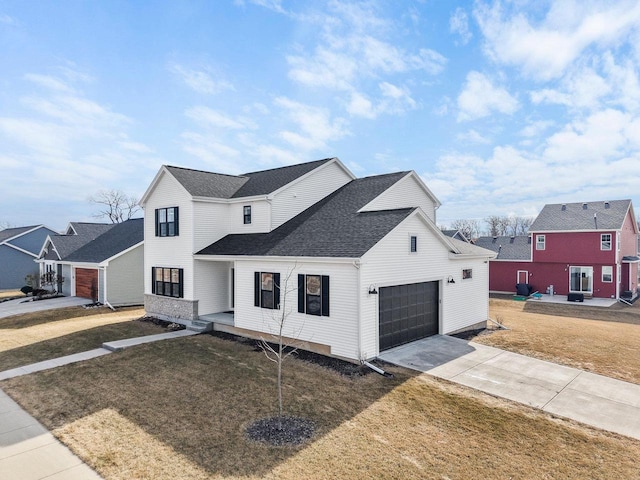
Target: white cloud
{"x": 459, "y": 23}
{"x": 472, "y": 136}
{"x": 581, "y": 88}
{"x": 49, "y": 82}
{"x": 536, "y": 128}
{"x": 546, "y": 48}
{"x": 480, "y": 98}
{"x": 211, "y": 118}
{"x": 199, "y": 80}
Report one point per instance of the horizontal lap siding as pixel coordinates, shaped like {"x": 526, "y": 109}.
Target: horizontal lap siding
{"x": 390, "y": 263}
{"x": 176, "y": 252}
{"x": 339, "y": 330}
{"x": 298, "y": 197}
{"x": 125, "y": 278}
{"x": 211, "y": 223}
{"x": 14, "y": 267}
{"x": 212, "y": 282}
{"x": 260, "y": 217}
{"x": 407, "y": 193}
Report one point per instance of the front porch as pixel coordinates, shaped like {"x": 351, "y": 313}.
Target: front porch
{"x": 224, "y": 318}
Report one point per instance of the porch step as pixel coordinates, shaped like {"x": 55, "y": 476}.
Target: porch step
{"x": 199, "y": 326}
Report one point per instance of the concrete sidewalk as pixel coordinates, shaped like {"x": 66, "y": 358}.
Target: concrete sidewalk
{"x": 25, "y": 305}
{"x": 592, "y": 399}
{"x": 27, "y": 450}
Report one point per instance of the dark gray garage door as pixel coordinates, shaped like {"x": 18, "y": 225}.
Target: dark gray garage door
{"x": 407, "y": 313}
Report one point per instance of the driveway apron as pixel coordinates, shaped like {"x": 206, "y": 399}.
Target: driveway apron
{"x": 592, "y": 399}
{"x": 26, "y": 305}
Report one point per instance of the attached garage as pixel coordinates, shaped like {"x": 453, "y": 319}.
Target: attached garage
{"x": 87, "y": 283}
{"x": 407, "y": 313}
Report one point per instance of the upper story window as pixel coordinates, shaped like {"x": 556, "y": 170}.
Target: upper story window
{"x": 540, "y": 242}
{"x": 167, "y": 222}
{"x": 168, "y": 282}
{"x": 413, "y": 244}
{"x": 605, "y": 241}
{"x": 246, "y": 212}
{"x": 266, "y": 290}
{"x": 313, "y": 295}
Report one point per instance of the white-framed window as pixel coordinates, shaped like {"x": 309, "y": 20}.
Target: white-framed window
{"x": 605, "y": 241}
{"x": 540, "y": 242}
{"x": 413, "y": 243}
{"x": 607, "y": 274}
{"x": 246, "y": 214}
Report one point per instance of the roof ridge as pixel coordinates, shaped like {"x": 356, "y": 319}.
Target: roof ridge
{"x": 290, "y": 166}
{"x": 205, "y": 171}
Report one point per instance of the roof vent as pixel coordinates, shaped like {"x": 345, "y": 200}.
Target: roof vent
{"x": 564, "y": 207}
{"x": 584, "y": 206}
{"x": 512, "y": 239}
{"x": 606, "y": 205}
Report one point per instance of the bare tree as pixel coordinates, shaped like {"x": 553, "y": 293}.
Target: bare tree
{"x": 280, "y": 347}
{"x": 469, "y": 228}
{"x": 494, "y": 224}
{"x": 115, "y": 205}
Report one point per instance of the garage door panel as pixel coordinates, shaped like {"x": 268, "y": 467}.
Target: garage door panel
{"x": 87, "y": 283}
{"x": 407, "y": 313}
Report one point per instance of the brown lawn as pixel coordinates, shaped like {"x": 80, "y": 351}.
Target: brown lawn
{"x": 178, "y": 409}
{"x": 599, "y": 340}
{"x": 10, "y": 294}
{"x": 38, "y": 336}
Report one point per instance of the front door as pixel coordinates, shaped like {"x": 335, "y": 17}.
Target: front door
{"x": 581, "y": 280}
{"x": 523, "y": 276}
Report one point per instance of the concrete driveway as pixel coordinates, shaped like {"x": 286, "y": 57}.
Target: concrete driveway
{"x": 598, "y": 401}
{"x": 18, "y": 306}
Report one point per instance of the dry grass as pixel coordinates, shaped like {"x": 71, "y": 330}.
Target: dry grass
{"x": 10, "y": 294}
{"x": 178, "y": 409}
{"x": 34, "y": 337}
{"x": 601, "y": 346}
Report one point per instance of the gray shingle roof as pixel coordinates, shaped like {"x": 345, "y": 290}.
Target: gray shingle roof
{"x": 65, "y": 245}
{"x": 8, "y": 233}
{"x": 455, "y": 234}
{"x": 574, "y": 216}
{"x": 115, "y": 240}
{"x": 215, "y": 185}
{"x": 330, "y": 228}
{"x": 507, "y": 248}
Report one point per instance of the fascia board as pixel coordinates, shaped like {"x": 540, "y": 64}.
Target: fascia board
{"x": 255, "y": 258}
{"x": 119, "y": 254}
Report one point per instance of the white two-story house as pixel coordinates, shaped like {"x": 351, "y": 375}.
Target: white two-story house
{"x": 356, "y": 265}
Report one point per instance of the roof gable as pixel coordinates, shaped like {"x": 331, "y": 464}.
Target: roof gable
{"x": 333, "y": 227}
{"x": 114, "y": 241}
{"x": 586, "y": 216}
{"x": 65, "y": 245}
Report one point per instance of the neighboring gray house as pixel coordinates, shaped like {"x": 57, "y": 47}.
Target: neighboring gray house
{"x": 358, "y": 264}
{"x": 19, "y": 248}
{"x": 58, "y": 247}
{"x": 457, "y": 234}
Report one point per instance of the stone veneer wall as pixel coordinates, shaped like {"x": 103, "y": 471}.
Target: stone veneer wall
{"x": 171, "y": 308}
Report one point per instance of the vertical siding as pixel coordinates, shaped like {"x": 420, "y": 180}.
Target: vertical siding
{"x": 102, "y": 274}
{"x": 125, "y": 278}
{"x": 260, "y": 217}
{"x": 212, "y": 282}
{"x": 339, "y": 330}
{"x": 298, "y": 197}
{"x": 406, "y": 193}
{"x": 390, "y": 263}
{"x": 174, "y": 252}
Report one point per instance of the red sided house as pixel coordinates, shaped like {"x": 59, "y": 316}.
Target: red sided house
{"x": 572, "y": 248}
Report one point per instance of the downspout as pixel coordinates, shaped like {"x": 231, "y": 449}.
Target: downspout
{"x": 356, "y": 263}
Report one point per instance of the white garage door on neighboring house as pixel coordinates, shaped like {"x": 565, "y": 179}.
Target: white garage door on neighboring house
{"x": 407, "y": 313}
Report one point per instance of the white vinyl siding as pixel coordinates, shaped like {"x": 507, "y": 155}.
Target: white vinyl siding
{"x": 211, "y": 223}
{"x": 389, "y": 263}
{"x": 406, "y": 193}
{"x": 309, "y": 190}
{"x": 339, "y": 331}
{"x": 69, "y": 280}
{"x": 260, "y": 217}
{"x": 212, "y": 284}
{"x": 125, "y": 278}
{"x": 175, "y": 252}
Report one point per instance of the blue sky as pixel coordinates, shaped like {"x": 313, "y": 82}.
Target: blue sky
{"x": 501, "y": 107}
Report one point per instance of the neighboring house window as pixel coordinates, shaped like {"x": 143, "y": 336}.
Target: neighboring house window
{"x": 467, "y": 273}
{"x": 607, "y": 274}
{"x": 167, "y": 222}
{"x": 267, "y": 290}
{"x": 313, "y": 295}
{"x": 540, "y": 240}
{"x": 413, "y": 244}
{"x": 605, "y": 241}
{"x": 247, "y": 214}
{"x": 168, "y": 282}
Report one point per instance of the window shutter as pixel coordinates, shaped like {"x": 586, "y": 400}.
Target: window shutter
{"x": 325, "y": 296}
{"x": 175, "y": 219}
{"x": 276, "y": 291}
{"x": 300, "y": 293}
{"x": 153, "y": 269}
{"x": 157, "y": 232}
{"x": 181, "y": 276}
{"x": 256, "y": 289}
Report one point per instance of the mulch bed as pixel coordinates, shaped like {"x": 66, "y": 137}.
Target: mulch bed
{"x": 281, "y": 431}
{"x": 171, "y": 326}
